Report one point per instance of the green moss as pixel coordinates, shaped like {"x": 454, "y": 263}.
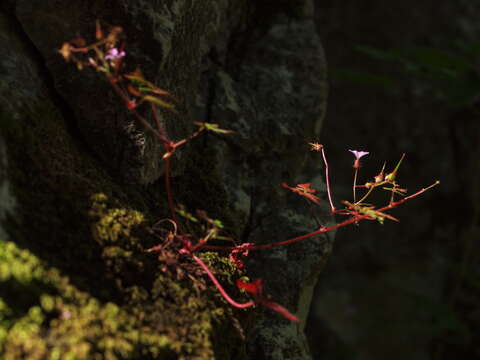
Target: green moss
{"x": 114, "y": 224}
{"x": 76, "y": 281}
{"x": 224, "y": 268}
{"x": 64, "y": 322}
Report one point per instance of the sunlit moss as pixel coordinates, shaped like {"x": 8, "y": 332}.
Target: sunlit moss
{"x": 81, "y": 285}
{"x": 64, "y": 322}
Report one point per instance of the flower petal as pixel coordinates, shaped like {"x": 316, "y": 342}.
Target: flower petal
{"x": 358, "y": 154}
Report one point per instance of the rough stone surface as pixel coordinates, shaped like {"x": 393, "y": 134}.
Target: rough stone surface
{"x": 7, "y": 200}
{"x": 257, "y": 68}
{"x": 274, "y": 103}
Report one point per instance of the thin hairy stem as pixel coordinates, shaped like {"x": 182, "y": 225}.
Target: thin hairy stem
{"x": 327, "y": 179}
{"x": 355, "y": 185}
{"x": 366, "y": 195}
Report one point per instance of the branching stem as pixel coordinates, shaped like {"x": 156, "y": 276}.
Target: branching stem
{"x": 323, "y": 229}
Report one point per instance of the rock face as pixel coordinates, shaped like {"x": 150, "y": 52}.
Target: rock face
{"x": 80, "y": 188}
{"x": 6, "y": 197}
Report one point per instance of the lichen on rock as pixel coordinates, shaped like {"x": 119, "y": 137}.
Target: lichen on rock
{"x": 74, "y": 152}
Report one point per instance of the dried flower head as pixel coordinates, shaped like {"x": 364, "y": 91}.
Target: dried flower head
{"x": 315, "y": 146}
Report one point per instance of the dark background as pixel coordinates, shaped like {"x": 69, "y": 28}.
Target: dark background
{"x": 408, "y": 290}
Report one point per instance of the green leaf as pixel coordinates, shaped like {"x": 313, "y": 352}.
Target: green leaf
{"x": 155, "y": 90}
{"x": 185, "y": 214}
{"x": 217, "y": 223}
{"x": 212, "y": 127}
{"x": 157, "y": 101}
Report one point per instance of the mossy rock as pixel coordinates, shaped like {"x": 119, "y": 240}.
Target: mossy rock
{"x": 75, "y": 277}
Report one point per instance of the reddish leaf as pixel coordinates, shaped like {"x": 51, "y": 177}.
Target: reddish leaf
{"x": 281, "y": 310}
{"x": 132, "y": 90}
{"x": 98, "y": 31}
{"x": 255, "y": 288}
{"x": 158, "y": 91}
{"x": 304, "y": 190}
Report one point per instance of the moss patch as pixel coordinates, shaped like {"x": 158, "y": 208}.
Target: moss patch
{"x": 60, "y": 322}
{"x": 76, "y": 281}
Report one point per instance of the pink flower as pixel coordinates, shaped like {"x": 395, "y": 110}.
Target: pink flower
{"x": 113, "y": 54}
{"x": 358, "y": 156}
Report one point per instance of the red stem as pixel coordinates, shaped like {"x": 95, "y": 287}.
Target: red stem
{"x": 324, "y": 229}
{"x": 401, "y": 201}
{"x": 162, "y": 137}
{"x": 140, "y": 118}
{"x": 219, "y": 287}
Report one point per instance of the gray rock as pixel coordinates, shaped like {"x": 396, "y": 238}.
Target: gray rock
{"x": 246, "y": 66}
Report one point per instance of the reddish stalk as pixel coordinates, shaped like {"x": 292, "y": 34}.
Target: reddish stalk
{"x": 161, "y": 136}
{"x": 324, "y": 229}
{"x": 401, "y": 201}
{"x": 219, "y": 287}
{"x": 355, "y": 185}
{"x": 353, "y": 219}
{"x": 168, "y": 163}
{"x": 115, "y": 61}
{"x": 139, "y": 117}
